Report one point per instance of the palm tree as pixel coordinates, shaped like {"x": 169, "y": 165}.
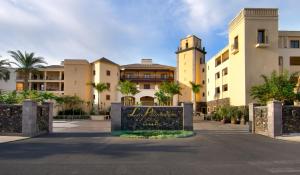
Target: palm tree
{"x": 170, "y": 89}
{"x": 27, "y": 63}
{"x": 127, "y": 88}
{"x": 4, "y": 72}
{"x": 196, "y": 89}
{"x": 99, "y": 87}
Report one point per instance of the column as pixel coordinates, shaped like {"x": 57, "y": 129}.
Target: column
{"x": 50, "y": 115}
{"x": 29, "y": 118}
{"x": 115, "y": 114}
{"x": 251, "y": 117}
{"x": 274, "y": 118}
{"x": 188, "y": 116}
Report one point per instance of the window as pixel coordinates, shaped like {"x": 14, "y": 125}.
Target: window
{"x": 203, "y": 70}
{"x": 203, "y": 81}
{"x": 218, "y": 75}
{"x": 94, "y": 72}
{"x": 163, "y": 76}
{"x": 218, "y": 90}
{"x": 19, "y": 86}
{"x": 280, "y": 60}
{"x": 147, "y": 75}
{"x": 225, "y": 71}
{"x": 147, "y": 86}
{"x": 107, "y": 97}
{"x": 108, "y": 86}
{"x": 218, "y": 61}
{"x": 294, "y": 61}
{"x": 186, "y": 45}
{"x": 203, "y": 94}
{"x": 236, "y": 43}
{"x": 225, "y": 87}
{"x": 94, "y": 96}
{"x": 108, "y": 73}
{"x": 261, "y": 36}
{"x": 294, "y": 43}
{"x": 208, "y": 80}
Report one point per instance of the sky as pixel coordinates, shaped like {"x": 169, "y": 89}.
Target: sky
{"x": 123, "y": 31}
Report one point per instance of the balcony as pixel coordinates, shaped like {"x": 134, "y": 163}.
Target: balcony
{"x": 234, "y": 49}
{"x": 150, "y": 78}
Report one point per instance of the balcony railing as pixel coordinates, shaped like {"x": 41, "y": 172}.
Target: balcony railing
{"x": 148, "y": 78}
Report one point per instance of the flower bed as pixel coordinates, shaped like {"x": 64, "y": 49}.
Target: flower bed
{"x": 154, "y": 134}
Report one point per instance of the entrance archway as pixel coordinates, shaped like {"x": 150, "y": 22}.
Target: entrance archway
{"x": 147, "y": 101}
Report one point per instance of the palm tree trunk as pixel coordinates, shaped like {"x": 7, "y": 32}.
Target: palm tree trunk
{"x": 98, "y": 102}
{"x": 26, "y": 77}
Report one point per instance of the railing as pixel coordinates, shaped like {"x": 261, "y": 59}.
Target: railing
{"x": 147, "y": 78}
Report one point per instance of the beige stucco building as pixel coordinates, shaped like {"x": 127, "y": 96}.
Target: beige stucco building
{"x": 256, "y": 47}
{"x": 148, "y": 76}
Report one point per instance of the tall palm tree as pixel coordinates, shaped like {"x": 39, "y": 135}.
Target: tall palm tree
{"x": 4, "y": 72}
{"x": 27, "y": 63}
{"x": 196, "y": 89}
{"x": 99, "y": 87}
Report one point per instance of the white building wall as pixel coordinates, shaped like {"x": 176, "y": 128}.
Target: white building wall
{"x": 9, "y": 85}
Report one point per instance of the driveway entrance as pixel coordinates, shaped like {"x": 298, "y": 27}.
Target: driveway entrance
{"x": 80, "y": 126}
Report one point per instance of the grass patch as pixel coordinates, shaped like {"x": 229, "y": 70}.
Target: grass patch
{"x": 153, "y": 134}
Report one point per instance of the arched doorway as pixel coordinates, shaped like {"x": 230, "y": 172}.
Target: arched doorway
{"x": 129, "y": 101}
{"x": 147, "y": 101}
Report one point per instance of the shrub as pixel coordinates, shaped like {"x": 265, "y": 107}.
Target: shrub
{"x": 76, "y": 111}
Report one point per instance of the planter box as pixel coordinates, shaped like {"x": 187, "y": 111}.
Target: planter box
{"x": 99, "y": 117}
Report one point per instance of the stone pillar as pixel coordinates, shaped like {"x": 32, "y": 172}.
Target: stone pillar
{"x": 29, "y": 118}
{"x": 188, "y": 116}
{"x": 115, "y": 114}
{"x": 251, "y": 117}
{"x": 274, "y": 118}
{"x": 50, "y": 115}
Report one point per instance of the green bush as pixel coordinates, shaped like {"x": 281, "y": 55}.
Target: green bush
{"x": 76, "y": 111}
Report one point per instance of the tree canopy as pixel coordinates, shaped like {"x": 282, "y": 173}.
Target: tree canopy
{"x": 280, "y": 87}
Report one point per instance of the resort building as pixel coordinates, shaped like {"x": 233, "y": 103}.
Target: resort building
{"x": 148, "y": 76}
{"x": 10, "y": 84}
{"x": 256, "y": 47}
{"x": 105, "y": 71}
{"x": 191, "y": 68}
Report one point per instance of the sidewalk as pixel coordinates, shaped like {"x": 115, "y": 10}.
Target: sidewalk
{"x": 4, "y": 139}
{"x": 290, "y": 137}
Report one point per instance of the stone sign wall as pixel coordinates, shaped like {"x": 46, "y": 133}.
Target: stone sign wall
{"x": 290, "y": 119}
{"x": 151, "y": 118}
{"x": 10, "y": 118}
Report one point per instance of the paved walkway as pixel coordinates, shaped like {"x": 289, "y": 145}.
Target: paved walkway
{"x": 4, "y": 139}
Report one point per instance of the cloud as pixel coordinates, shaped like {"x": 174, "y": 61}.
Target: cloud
{"x": 123, "y": 31}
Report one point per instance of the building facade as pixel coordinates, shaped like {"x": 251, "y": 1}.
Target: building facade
{"x": 191, "y": 68}
{"x": 148, "y": 77}
{"x": 256, "y": 47}
{"x": 10, "y": 84}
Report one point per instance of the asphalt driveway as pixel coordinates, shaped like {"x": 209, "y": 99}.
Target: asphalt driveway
{"x": 226, "y": 150}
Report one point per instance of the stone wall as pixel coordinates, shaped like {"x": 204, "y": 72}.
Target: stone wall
{"x": 10, "y": 119}
{"x": 217, "y": 103}
{"x": 261, "y": 119}
{"x": 290, "y": 119}
{"x": 28, "y": 119}
{"x": 42, "y": 118}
